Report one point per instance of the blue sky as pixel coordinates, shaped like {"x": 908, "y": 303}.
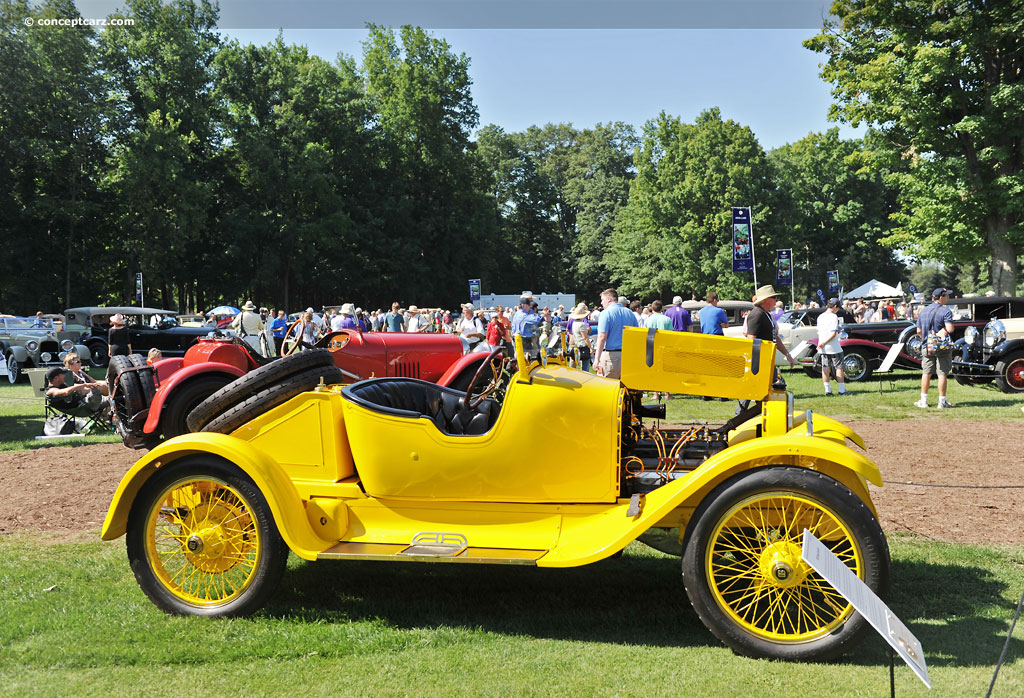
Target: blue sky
{"x": 761, "y": 78}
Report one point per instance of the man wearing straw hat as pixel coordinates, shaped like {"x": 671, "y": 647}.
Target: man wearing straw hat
{"x": 581, "y": 335}
{"x": 249, "y": 325}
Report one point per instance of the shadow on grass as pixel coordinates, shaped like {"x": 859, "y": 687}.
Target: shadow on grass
{"x": 21, "y": 427}
{"x": 949, "y": 608}
{"x": 630, "y": 600}
{"x": 635, "y": 600}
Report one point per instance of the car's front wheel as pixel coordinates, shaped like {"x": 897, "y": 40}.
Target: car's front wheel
{"x": 202, "y": 540}
{"x": 13, "y": 369}
{"x": 856, "y": 366}
{"x": 99, "y": 354}
{"x": 744, "y": 574}
{"x": 1010, "y": 373}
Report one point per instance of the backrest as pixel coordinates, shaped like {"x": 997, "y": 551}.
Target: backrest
{"x": 37, "y": 377}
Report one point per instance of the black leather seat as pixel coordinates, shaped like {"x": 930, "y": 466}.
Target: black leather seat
{"x": 412, "y": 398}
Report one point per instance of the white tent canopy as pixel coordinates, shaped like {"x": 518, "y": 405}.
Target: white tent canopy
{"x": 876, "y": 289}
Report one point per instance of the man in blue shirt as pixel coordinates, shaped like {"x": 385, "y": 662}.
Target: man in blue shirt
{"x": 679, "y": 315}
{"x": 278, "y": 327}
{"x": 712, "y": 318}
{"x": 936, "y": 320}
{"x": 525, "y": 322}
{"x": 614, "y": 317}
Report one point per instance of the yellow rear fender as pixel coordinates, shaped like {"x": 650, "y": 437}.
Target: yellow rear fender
{"x": 283, "y": 498}
{"x": 587, "y": 539}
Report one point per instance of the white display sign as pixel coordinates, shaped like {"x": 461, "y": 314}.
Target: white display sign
{"x": 890, "y": 358}
{"x": 867, "y": 604}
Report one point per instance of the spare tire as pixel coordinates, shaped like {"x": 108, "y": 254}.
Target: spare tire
{"x": 147, "y": 381}
{"x": 275, "y": 395}
{"x": 128, "y": 401}
{"x": 254, "y": 382}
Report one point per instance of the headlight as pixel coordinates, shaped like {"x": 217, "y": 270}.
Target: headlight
{"x": 45, "y": 357}
{"x": 843, "y": 334}
{"x": 970, "y": 335}
{"x": 67, "y": 345}
{"x": 32, "y": 345}
{"x": 995, "y": 332}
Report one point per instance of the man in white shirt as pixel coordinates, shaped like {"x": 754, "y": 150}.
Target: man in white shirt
{"x": 829, "y": 347}
{"x": 417, "y": 322}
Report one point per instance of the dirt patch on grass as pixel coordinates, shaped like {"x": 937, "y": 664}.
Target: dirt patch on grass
{"x": 945, "y": 479}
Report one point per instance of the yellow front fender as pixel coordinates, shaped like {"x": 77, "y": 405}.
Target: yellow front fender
{"x": 284, "y": 500}
{"x": 587, "y": 539}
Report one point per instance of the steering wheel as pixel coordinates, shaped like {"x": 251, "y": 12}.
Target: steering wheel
{"x": 470, "y": 401}
{"x": 292, "y": 339}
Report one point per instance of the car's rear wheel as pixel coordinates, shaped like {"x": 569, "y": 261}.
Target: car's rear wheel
{"x": 185, "y": 398}
{"x": 1010, "y": 373}
{"x": 13, "y": 369}
{"x": 202, "y": 540}
{"x": 744, "y": 574}
{"x": 147, "y": 381}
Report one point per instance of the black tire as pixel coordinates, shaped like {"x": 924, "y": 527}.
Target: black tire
{"x": 249, "y": 546}
{"x": 99, "y": 355}
{"x": 1010, "y": 373}
{"x": 753, "y": 570}
{"x": 127, "y": 400}
{"x": 147, "y": 381}
{"x": 273, "y": 396}
{"x": 13, "y": 369}
{"x": 254, "y": 382}
{"x": 185, "y": 398}
{"x": 857, "y": 366}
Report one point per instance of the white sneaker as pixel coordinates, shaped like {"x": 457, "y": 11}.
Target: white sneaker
{"x": 923, "y": 404}
{"x": 945, "y": 404}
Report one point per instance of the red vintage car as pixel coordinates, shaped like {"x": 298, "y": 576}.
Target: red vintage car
{"x": 153, "y": 402}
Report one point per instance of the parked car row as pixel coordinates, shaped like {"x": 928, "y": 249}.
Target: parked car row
{"x": 24, "y": 345}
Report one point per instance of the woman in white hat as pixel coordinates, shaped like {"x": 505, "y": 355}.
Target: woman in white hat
{"x": 118, "y": 339}
{"x": 248, "y": 325}
{"x": 583, "y": 349}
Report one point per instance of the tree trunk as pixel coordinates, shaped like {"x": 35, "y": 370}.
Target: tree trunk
{"x": 1004, "y": 256}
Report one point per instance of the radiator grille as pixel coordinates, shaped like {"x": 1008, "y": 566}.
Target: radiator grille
{"x": 724, "y": 366}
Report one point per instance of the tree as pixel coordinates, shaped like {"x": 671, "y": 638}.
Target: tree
{"x": 834, "y": 210}
{"x": 944, "y": 83}
{"x": 673, "y": 237}
{"x": 163, "y": 138}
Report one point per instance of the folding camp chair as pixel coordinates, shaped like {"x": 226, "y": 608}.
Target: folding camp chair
{"x": 84, "y": 419}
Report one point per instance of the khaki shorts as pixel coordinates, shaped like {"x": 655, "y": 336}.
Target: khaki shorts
{"x": 611, "y": 363}
{"x": 941, "y": 363}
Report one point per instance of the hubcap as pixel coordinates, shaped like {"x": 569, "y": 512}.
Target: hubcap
{"x": 782, "y": 566}
{"x": 1015, "y": 374}
{"x": 854, "y": 365}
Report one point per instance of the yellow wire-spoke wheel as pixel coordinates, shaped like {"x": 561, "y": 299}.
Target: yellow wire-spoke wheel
{"x": 743, "y": 570}
{"x": 755, "y": 571}
{"x": 202, "y": 540}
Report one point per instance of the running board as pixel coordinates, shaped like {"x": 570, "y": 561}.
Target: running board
{"x": 400, "y": 552}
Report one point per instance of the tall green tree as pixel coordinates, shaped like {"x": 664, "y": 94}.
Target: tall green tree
{"x": 438, "y": 222}
{"x": 50, "y": 109}
{"x": 163, "y": 168}
{"x": 298, "y": 153}
{"x": 833, "y": 210}
{"x": 673, "y": 237}
{"x": 943, "y": 81}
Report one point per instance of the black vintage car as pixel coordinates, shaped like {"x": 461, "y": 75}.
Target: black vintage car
{"x": 996, "y": 352}
{"x": 167, "y": 336}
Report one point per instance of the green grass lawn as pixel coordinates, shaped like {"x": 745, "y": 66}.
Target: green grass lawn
{"x": 21, "y": 418}
{"x": 73, "y": 621}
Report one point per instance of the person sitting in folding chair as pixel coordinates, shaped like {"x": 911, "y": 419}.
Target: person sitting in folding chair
{"x": 77, "y": 399}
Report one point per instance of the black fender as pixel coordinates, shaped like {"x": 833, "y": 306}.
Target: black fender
{"x": 1008, "y": 347}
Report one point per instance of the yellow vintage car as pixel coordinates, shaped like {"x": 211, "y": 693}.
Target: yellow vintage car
{"x": 403, "y": 470}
